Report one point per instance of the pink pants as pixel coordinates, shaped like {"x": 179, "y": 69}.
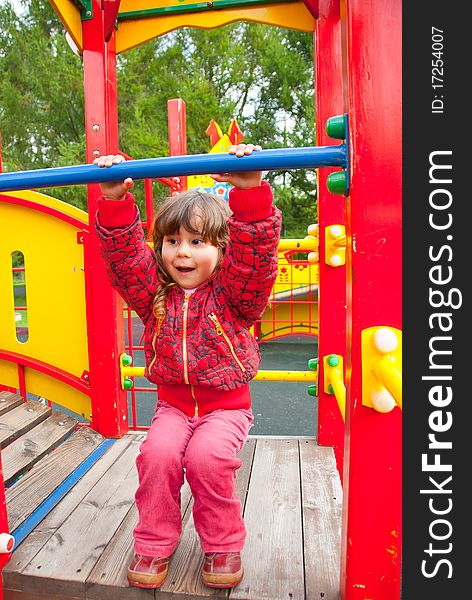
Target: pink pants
{"x": 206, "y": 448}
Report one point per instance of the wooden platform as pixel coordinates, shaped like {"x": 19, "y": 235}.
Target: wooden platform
{"x": 81, "y": 546}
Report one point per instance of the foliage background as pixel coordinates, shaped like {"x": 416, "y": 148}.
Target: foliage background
{"x": 260, "y": 75}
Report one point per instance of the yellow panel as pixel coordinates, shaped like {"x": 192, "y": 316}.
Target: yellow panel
{"x": 8, "y": 374}
{"x": 58, "y": 392}
{"x": 295, "y": 281}
{"x": 55, "y": 294}
{"x": 132, "y": 33}
{"x": 69, "y": 14}
{"x": 49, "y": 201}
{"x": 289, "y": 319}
{"x": 205, "y": 181}
{"x": 41, "y": 385}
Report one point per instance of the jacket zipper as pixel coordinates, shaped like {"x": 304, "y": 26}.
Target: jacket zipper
{"x": 184, "y": 349}
{"x": 154, "y": 338}
{"x": 220, "y": 331}
{"x": 184, "y": 337}
{"x": 192, "y": 391}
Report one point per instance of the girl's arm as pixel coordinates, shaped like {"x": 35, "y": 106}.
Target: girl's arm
{"x": 129, "y": 261}
{"x": 250, "y": 266}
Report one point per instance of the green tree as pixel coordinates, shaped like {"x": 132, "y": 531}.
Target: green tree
{"x": 260, "y": 75}
{"x": 41, "y": 94}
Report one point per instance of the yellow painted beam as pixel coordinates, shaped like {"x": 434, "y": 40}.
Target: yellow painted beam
{"x": 132, "y": 33}
{"x": 69, "y": 14}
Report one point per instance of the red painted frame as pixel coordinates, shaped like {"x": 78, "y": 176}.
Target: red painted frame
{"x": 371, "y": 531}
{"x": 4, "y": 528}
{"x": 104, "y": 306}
{"x": 331, "y": 210}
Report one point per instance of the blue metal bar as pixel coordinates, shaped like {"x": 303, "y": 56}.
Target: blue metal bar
{"x": 56, "y": 496}
{"x": 196, "y": 164}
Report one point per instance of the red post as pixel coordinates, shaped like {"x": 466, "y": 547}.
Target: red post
{"x": 331, "y": 211}
{"x": 104, "y": 307}
{"x": 177, "y": 133}
{"x": 371, "y": 551}
{"x": 4, "y": 555}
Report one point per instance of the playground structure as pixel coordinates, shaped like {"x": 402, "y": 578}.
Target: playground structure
{"x": 358, "y": 161}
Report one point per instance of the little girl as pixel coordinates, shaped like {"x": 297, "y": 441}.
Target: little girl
{"x": 198, "y": 291}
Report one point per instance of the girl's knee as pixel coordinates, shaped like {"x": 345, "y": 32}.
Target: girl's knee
{"x": 207, "y": 463}
{"x": 157, "y": 456}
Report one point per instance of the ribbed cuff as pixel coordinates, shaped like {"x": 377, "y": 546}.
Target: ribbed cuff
{"x": 116, "y": 213}
{"x": 254, "y": 204}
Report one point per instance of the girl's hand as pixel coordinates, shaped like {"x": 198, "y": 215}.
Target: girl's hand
{"x": 114, "y": 190}
{"x": 243, "y": 180}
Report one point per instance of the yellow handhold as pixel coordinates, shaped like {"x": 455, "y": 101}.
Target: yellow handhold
{"x": 335, "y": 245}
{"x": 313, "y": 229}
{"x": 313, "y": 233}
{"x": 381, "y": 368}
{"x": 262, "y": 375}
{"x": 334, "y": 380}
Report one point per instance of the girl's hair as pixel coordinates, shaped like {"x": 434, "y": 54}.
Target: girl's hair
{"x": 188, "y": 210}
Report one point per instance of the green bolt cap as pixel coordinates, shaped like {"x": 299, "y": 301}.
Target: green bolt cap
{"x": 330, "y": 389}
{"x": 312, "y": 390}
{"x": 336, "y": 127}
{"x": 337, "y": 182}
{"x": 333, "y": 360}
{"x": 126, "y": 360}
{"x": 127, "y": 383}
{"x": 313, "y": 364}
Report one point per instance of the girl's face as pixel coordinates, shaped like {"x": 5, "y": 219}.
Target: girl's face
{"x": 188, "y": 259}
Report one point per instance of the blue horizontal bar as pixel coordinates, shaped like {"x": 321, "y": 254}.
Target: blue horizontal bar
{"x": 173, "y": 166}
{"x": 58, "y": 494}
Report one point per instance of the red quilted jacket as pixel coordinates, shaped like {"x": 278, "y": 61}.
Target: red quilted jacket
{"x": 204, "y": 341}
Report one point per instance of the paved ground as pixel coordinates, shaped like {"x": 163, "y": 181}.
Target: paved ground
{"x": 285, "y": 408}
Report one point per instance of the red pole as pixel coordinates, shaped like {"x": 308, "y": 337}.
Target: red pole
{"x": 371, "y": 551}
{"x": 104, "y": 307}
{"x": 6, "y": 541}
{"x": 177, "y": 133}
{"x": 331, "y": 211}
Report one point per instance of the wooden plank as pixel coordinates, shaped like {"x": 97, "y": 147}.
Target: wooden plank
{"x": 28, "y": 493}
{"x": 8, "y": 401}
{"x": 18, "y": 595}
{"x": 24, "y": 452}
{"x": 243, "y": 475}
{"x": 185, "y": 567}
{"x": 322, "y": 513}
{"x": 108, "y": 579}
{"x": 67, "y": 558}
{"x": 25, "y": 552}
{"x": 273, "y": 555}
{"x": 22, "y": 418}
